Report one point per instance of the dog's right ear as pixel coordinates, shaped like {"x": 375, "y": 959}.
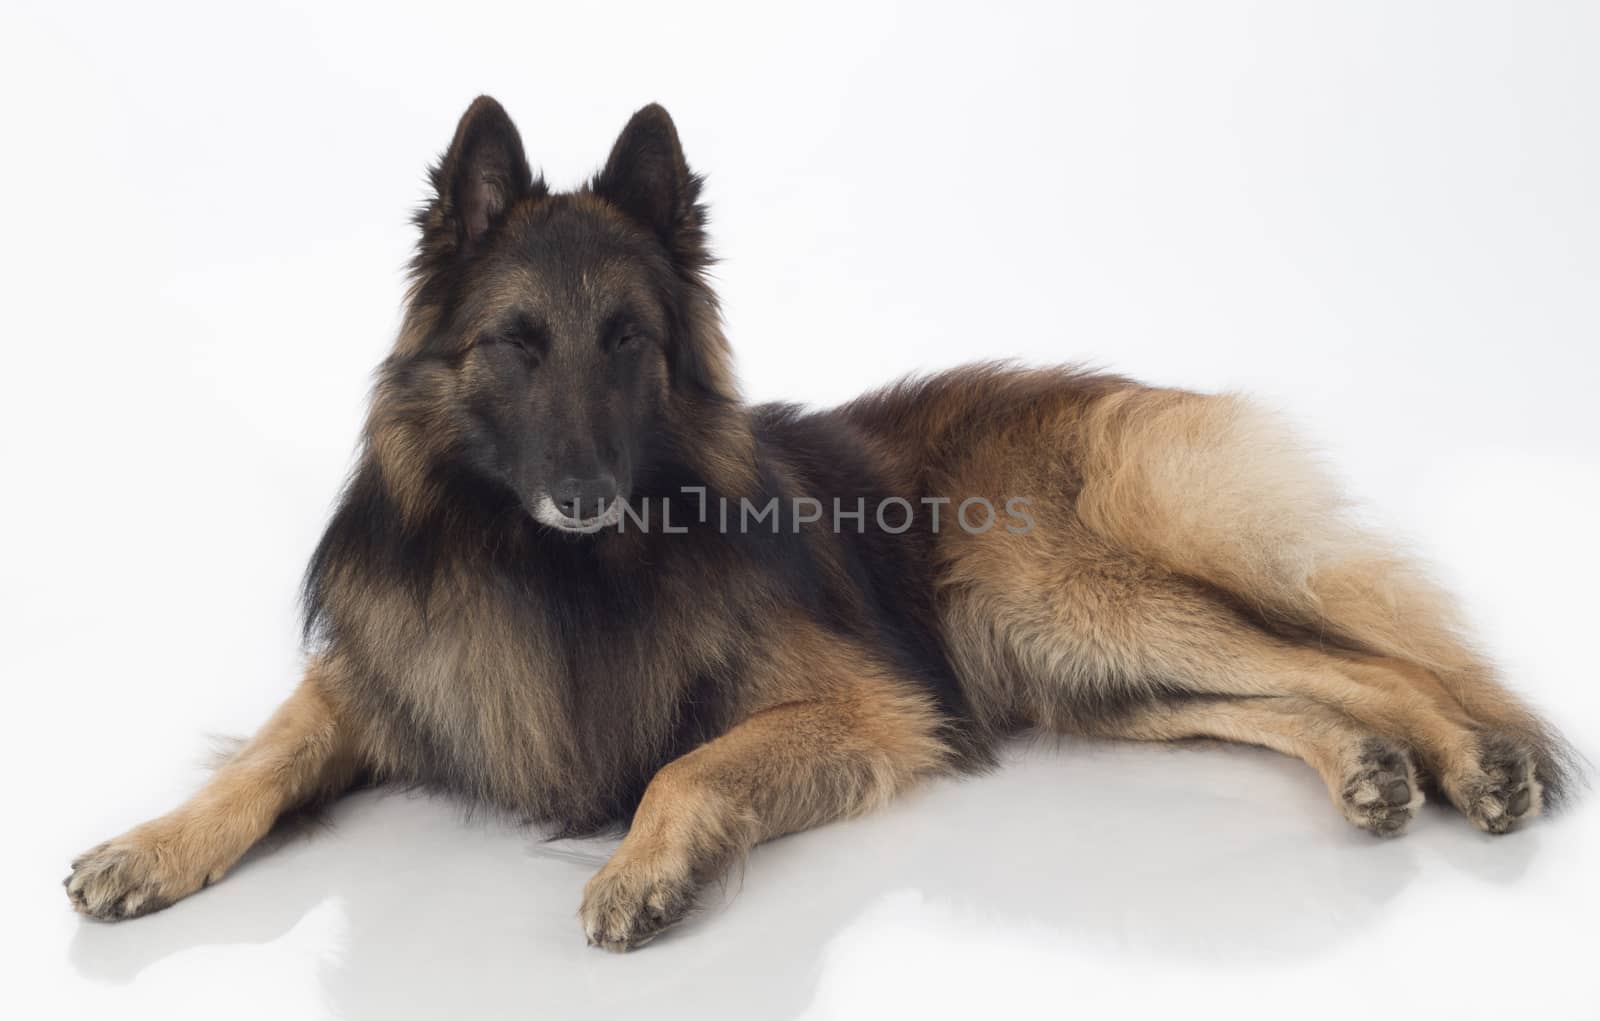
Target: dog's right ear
{"x": 480, "y": 176}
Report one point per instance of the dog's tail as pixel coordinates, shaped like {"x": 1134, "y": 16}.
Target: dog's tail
{"x": 1218, "y": 489}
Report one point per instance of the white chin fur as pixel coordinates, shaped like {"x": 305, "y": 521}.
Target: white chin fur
{"x": 546, "y": 513}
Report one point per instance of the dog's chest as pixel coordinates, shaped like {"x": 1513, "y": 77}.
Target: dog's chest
{"x": 555, "y": 711}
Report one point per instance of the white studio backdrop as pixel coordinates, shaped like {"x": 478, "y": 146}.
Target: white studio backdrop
{"x": 1381, "y": 217}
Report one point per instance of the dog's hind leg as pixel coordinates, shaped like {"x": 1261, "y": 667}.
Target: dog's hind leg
{"x": 1216, "y": 489}
{"x": 1078, "y": 631}
{"x": 1371, "y": 779}
{"x": 303, "y": 754}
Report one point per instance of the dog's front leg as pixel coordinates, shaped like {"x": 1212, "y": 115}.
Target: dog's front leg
{"x": 783, "y": 769}
{"x": 304, "y": 752}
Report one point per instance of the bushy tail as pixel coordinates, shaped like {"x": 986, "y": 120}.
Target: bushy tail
{"x": 1218, "y": 489}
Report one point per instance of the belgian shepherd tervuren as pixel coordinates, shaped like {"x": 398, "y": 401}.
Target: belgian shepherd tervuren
{"x": 574, "y": 577}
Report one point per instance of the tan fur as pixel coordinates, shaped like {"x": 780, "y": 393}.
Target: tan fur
{"x": 1116, "y": 630}
{"x": 1187, "y": 544}
{"x": 1188, "y": 570}
{"x": 1190, "y": 573}
{"x": 1372, "y": 781}
{"x": 843, "y": 736}
{"x": 304, "y": 753}
{"x": 1216, "y": 488}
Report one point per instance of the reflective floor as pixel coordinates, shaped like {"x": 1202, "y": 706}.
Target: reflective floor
{"x": 1380, "y": 217}
{"x": 1132, "y": 878}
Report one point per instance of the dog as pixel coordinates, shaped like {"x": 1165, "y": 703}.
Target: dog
{"x": 575, "y": 578}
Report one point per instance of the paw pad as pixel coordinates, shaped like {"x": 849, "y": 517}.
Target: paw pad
{"x": 1380, "y": 793}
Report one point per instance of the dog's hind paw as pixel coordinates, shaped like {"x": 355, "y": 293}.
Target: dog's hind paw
{"x": 1381, "y": 793}
{"x": 1501, "y": 792}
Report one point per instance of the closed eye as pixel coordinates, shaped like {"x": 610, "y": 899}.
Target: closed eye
{"x": 524, "y": 337}
{"x": 625, "y": 335}
{"x": 512, "y": 340}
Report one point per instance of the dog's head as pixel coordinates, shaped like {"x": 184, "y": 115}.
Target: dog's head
{"x": 558, "y": 345}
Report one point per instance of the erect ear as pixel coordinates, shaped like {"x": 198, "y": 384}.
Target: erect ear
{"x": 646, "y": 177}
{"x": 481, "y": 175}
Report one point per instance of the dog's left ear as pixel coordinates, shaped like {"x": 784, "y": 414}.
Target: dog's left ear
{"x": 647, "y": 178}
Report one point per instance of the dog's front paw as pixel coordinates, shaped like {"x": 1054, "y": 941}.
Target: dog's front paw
{"x": 133, "y": 875}
{"x": 630, "y": 901}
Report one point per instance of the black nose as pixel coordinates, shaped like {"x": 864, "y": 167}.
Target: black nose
{"x": 584, "y": 498}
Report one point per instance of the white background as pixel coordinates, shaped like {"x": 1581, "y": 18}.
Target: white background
{"x": 1380, "y": 216}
